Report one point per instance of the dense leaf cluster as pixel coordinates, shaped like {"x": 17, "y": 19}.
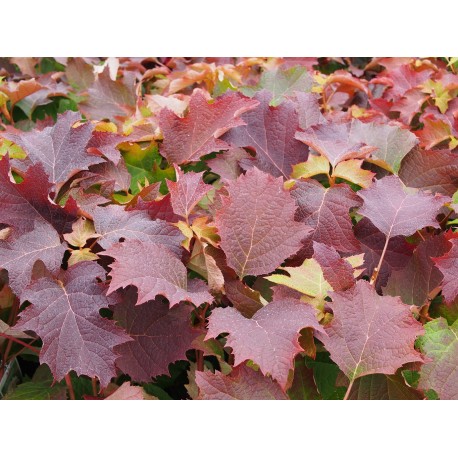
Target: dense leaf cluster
{"x": 250, "y": 228}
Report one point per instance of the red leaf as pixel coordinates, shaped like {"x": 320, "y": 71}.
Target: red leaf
{"x": 242, "y": 383}
{"x": 270, "y": 132}
{"x": 24, "y": 203}
{"x": 396, "y": 210}
{"x": 105, "y": 143}
{"x": 79, "y": 73}
{"x": 157, "y": 271}
{"x": 111, "y": 177}
{"x": 280, "y": 292}
{"x": 108, "y": 99}
{"x": 308, "y": 110}
{"x": 397, "y": 254}
{"x": 246, "y": 300}
{"x": 420, "y": 277}
{"x": 403, "y": 78}
{"x": 409, "y": 105}
{"x": 188, "y": 139}
{"x": 335, "y": 142}
{"x": 160, "y": 336}
{"x": 337, "y": 271}
{"x": 436, "y": 171}
{"x": 258, "y": 232}
{"x": 113, "y": 223}
{"x": 61, "y": 149}
{"x": 369, "y": 333}
{"x": 19, "y": 256}
{"x": 435, "y": 130}
{"x": 186, "y": 192}
{"x": 127, "y": 392}
{"x": 227, "y": 164}
{"x": 326, "y": 210}
{"x": 448, "y": 265}
{"x": 158, "y": 209}
{"x": 65, "y": 315}
{"x": 269, "y": 338}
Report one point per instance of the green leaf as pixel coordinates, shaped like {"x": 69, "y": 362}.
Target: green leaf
{"x": 325, "y": 374}
{"x": 81, "y": 385}
{"x": 440, "y": 372}
{"x": 49, "y": 64}
{"x": 411, "y": 377}
{"x": 39, "y": 388}
{"x": 223, "y": 86}
{"x": 303, "y": 386}
{"x": 14, "y": 151}
{"x": 282, "y": 83}
{"x": 145, "y": 164}
{"x": 448, "y": 311}
{"x": 431, "y": 395}
{"x": 157, "y": 391}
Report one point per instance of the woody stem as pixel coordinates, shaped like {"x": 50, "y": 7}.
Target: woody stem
{"x": 36, "y": 350}
{"x": 71, "y": 392}
{"x": 377, "y": 269}
{"x": 348, "y": 390}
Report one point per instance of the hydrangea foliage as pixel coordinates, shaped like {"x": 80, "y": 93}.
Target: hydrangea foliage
{"x": 229, "y": 228}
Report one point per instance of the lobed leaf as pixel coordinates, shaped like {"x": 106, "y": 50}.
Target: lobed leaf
{"x": 259, "y": 233}
{"x": 269, "y": 338}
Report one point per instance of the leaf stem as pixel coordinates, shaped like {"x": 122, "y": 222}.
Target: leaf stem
{"x": 7, "y": 351}
{"x": 202, "y": 314}
{"x": 71, "y": 392}
{"x": 348, "y": 390}
{"x": 377, "y": 269}
{"x": 200, "y": 360}
{"x": 13, "y": 312}
{"x": 421, "y": 236}
{"x": 15, "y": 355}
{"x": 94, "y": 386}
{"x": 36, "y": 350}
{"x": 446, "y": 217}
{"x": 93, "y": 243}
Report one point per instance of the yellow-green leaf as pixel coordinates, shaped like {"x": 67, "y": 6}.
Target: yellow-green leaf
{"x": 308, "y": 279}
{"x": 82, "y": 231}
{"x": 351, "y": 171}
{"x": 84, "y": 254}
{"x": 315, "y": 165}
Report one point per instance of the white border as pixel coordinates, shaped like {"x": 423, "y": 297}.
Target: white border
{"x": 227, "y": 429}
{"x": 229, "y": 28}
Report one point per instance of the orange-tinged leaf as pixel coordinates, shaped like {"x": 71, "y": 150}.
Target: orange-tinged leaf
{"x": 197, "y": 134}
{"x": 351, "y": 171}
{"x": 315, "y": 165}
{"x": 434, "y": 131}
